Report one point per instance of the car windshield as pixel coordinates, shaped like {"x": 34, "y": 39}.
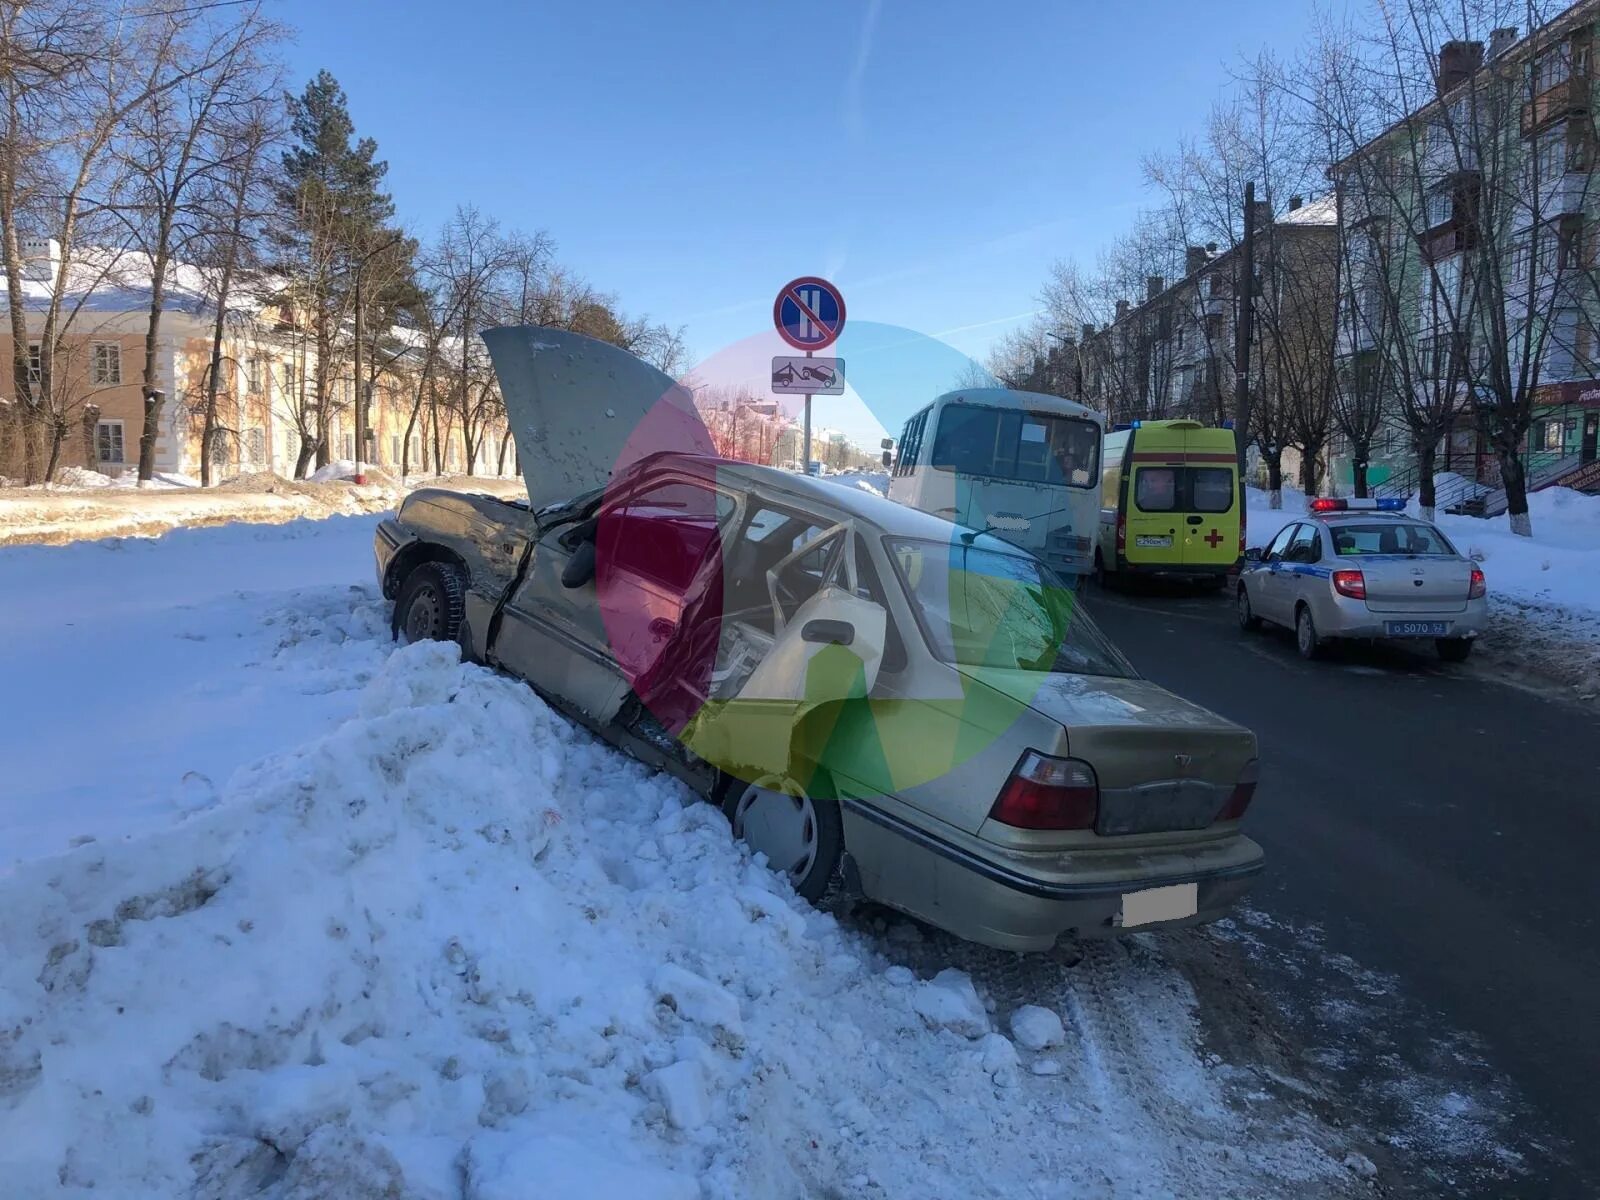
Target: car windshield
{"x": 1389, "y": 537}
{"x": 986, "y": 608}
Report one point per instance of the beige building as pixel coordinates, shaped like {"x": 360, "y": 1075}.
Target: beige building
{"x": 267, "y": 376}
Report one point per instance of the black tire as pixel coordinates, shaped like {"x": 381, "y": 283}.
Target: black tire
{"x": 1248, "y": 621}
{"x": 1306, "y": 639}
{"x": 432, "y": 602}
{"x": 1102, "y": 577}
{"x": 1453, "y": 649}
{"x": 822, "y": 869}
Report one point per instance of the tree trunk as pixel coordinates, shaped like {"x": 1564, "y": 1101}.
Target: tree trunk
{"x": 1358, "y": 470}
{"x": 308, "y": 451}
{"x": 1274, "y": 461}
{"x": 1427, "y": 456}
{"x": 1513, "y": 477}
{"x": 208, "y": 437}
{"x": 1308, "y": 469}
{"x": 505, "y": 444}
{"x": 58, "y": 435}
{"x": 152, "y": 335}
{"x": 438, "y": 444}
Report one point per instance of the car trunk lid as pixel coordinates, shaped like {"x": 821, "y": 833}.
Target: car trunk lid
{"x": 1163, "y": 764}
{"x": 1415, "y": 584}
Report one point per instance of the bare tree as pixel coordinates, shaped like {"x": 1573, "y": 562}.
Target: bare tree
{"x": 75, "y": 74}
{"x": 170, "y": 147}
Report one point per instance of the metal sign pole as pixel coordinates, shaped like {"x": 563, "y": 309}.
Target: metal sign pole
{"x": 805, "y": 455}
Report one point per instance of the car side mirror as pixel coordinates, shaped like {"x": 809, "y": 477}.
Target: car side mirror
{"x": 580, "y": 567}
{"x": 888, "y": 457}
{"x": 828, "y": 632}
{"x": 1252, "y": 554}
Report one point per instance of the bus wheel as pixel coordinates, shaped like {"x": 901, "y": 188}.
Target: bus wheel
{"x": 1102, "y": 577}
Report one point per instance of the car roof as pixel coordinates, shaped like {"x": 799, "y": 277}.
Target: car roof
{"x": 805, "y": 491}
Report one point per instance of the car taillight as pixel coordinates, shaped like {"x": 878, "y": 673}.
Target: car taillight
{"x": 1122, "y": 533}
{"x": 1478, "y": 587}
{"x": 1048, "y": 793}
{"x": 1243, "y": 792}
{"x": 1350, "y": 583}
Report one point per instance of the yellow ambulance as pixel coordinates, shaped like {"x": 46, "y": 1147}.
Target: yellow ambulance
{"x": 1170, "y": 502}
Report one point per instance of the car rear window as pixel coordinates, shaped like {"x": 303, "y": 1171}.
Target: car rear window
{"x": 1183, "y": 489}
{"x": 1389, "y": 537}
{"x": 985, "y": 608}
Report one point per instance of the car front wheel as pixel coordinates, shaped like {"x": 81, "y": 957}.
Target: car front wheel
{"x": 431, "y": 604}
{"x": 1454, "y": 649}
{"x": 801, "y": 835}
{"x": 1247, "y": 617}
{"x": 1306, "y": 639}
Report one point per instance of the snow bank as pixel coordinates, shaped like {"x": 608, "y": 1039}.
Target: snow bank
{"x": 454, "y": 947}
{"x": 114, "y": 508}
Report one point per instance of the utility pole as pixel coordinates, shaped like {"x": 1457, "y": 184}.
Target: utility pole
{"x": 1243, "y": 329}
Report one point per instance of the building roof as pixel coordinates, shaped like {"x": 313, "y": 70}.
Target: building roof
{"x": 1317, "y": 212}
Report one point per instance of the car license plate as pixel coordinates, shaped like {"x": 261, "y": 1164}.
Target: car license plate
{"x": 1154, "y": 540}
{"x": 1160, "y": 904}
{"x": 1416, "y": 628}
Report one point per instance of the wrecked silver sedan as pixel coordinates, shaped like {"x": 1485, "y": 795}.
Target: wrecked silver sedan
{"x": 879, "y": 700}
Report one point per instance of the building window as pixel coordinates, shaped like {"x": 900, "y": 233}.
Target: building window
{"x": 1521, "y": 257}
{"x": 349, "y": 445}
{"x": 1552, "y": 67}
{"x": 105, "y": 365}
{"x": 1554, "y": 435}
{"x": 288, "y": 379}
{"x": 252, "y": 375}
{"x": 108, "y": 441}
{"x": 255, "y": 445}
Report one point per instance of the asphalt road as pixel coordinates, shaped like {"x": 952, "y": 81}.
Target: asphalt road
{"x": 1430, "y": 918}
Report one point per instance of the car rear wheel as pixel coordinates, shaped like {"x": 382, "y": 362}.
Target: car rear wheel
{"x": 1102, "y": 576}
{"x": 1453, "y": 649}
{"x": 1306, "y": 639}
{"x": 801, "y": 836}
{"x": 1248, "y": 620}
{"x": 431, "y": 604}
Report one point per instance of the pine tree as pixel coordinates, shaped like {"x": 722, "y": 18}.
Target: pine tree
{"x": 334, "y": 216}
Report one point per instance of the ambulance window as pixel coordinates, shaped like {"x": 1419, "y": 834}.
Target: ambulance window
{"x": 1155, "y": 489}
{"x": 1213, "y": 489}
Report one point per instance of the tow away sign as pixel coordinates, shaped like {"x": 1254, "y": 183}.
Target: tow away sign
{"x": 796, "y": 376}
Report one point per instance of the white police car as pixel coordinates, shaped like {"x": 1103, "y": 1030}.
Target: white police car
{"x": 1364, "y": 569}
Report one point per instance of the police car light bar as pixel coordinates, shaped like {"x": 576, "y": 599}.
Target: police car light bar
{"x": 1328, "y": 504}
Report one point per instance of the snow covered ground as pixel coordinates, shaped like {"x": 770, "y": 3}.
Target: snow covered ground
{"x": 89, "y": 505}
{"x": 292, "y": 914}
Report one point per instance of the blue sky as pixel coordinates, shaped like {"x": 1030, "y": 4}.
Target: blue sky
{"x": 931, "y": 158}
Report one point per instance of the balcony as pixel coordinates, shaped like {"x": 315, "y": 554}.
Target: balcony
{"x": 1564, "y": 99}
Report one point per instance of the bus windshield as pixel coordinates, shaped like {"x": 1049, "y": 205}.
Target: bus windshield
{"x": 1028, "y": 447}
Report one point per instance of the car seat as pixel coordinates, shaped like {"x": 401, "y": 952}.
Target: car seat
{"x": 782, "y": 674}
{"x": 1389, "y": 542}
{"x": 1343, "y": 543}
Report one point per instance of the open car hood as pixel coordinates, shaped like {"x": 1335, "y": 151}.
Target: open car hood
{"x": 583, "y": 410}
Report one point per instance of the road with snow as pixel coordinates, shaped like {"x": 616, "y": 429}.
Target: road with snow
{"x": 1439, "y": 829}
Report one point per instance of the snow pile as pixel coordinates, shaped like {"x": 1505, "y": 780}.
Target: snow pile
{"x": 455, "y": 947}
{"x": 116, "y": 508}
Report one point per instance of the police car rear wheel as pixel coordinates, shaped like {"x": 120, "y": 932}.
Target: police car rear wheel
{"x": 1305, "y": 634}
{"x": 1248, "y": 620}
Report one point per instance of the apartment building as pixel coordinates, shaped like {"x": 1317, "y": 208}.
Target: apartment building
{"x": 1173, "y": 353}
{"x": 268, "y": 369}
{"x": 1469, "y": 230}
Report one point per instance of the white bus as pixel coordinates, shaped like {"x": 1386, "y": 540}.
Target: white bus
{"x": 1023, "y": 465}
